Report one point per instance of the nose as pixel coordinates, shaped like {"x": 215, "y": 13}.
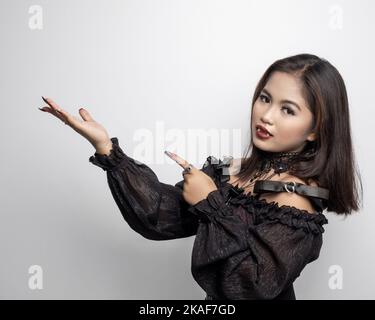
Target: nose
{"x": 267, "y": 116}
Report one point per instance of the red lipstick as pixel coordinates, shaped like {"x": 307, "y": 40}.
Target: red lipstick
{"x": 262, "y": 132}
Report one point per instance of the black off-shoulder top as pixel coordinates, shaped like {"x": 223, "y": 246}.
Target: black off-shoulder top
{"x": 244, "y": 247}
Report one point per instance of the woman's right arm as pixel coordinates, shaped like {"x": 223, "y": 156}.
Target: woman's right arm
{"x": 153, "y": 209}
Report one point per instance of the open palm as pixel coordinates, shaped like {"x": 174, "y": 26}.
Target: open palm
{"x": 87, "y": 127}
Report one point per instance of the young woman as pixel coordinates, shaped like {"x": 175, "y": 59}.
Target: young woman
{"x": 258, "y": 220}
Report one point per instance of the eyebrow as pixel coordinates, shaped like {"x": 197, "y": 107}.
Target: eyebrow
{"x": 284, "y": 101}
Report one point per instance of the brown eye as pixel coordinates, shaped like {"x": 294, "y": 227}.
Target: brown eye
{"x": 264, "y": 98}
{"x": 289, "y": 111}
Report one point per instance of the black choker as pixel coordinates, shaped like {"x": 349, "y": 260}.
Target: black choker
{"x": 278, "y": 161}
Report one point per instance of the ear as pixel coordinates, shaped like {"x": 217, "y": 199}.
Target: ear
{"x": 311, "y": 137}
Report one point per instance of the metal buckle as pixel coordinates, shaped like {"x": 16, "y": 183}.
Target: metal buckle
{"x": 288, "y": 184}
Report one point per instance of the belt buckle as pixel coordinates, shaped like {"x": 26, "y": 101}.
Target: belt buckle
{"x": 292, "y": 184}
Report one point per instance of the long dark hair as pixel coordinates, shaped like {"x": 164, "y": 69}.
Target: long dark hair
{"x": 329, "y": 159}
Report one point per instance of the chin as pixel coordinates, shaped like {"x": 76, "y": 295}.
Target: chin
{"x": 262, "y": 145}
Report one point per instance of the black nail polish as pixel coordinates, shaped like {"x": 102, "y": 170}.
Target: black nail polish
{"x": 44, "y": 99}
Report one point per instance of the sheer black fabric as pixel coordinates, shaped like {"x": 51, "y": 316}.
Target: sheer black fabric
{"x": 244, "y": 248}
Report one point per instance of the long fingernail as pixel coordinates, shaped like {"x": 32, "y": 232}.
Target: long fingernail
{"x": 42, "y": 109}
{"x": 169, "y": 154}
{"x": 44, "y": 99}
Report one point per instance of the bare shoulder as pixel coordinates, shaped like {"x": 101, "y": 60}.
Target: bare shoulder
{"x": 291, "y": 198}
{"x": 288, "y": 177}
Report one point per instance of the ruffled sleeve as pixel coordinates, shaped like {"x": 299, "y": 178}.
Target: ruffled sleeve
{"x": 153, "y": 209}
{"x": 246, "y": 248}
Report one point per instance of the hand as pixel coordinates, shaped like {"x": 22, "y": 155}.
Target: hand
{"x": 197, "y": 184}
{"x": 88, "y": 128}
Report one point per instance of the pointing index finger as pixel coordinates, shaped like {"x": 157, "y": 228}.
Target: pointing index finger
{"x": 182, "y": 162}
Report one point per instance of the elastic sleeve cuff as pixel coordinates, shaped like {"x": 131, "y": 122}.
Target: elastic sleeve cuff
{"x": 116, "y": 158}
{"x": 213, "y": 204}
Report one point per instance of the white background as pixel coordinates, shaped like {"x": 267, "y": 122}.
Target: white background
{"x": 189, "y": 65}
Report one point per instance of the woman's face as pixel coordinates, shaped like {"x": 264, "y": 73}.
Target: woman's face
{"x": 283, "y": 111}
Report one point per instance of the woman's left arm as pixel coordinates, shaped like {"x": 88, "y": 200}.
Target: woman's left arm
{"x": 154, "y": 209}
